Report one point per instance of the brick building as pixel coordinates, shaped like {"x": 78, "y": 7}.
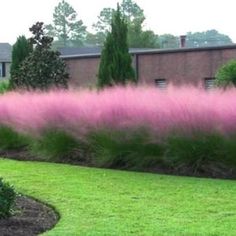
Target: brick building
{"x": 193, "y": 66}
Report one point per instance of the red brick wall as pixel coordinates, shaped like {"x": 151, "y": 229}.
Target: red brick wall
{"x": 187, "y": 67}
{"x": 177, "y": 67}
{"x": 83, "y": 71}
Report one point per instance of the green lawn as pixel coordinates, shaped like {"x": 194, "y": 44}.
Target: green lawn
{"x": 107, "y": 202}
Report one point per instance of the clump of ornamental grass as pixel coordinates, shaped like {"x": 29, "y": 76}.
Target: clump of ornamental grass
{"x": 229, "y": 147}
{"x": 128, "y": 127}
{"x": 10, "y": 139}
{"x": 126, "y": 149}
{"x": 187, "y": 109}
{"x": 195, "y": 153}
{"x": 54, "y": 145}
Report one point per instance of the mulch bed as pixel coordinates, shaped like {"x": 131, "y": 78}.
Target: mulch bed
{"x": 31, "y": 218}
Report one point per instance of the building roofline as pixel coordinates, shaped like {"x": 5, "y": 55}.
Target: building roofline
{"x": 89, "y": 55}
{"x": 179, "y": 50}
{"x": 155, "y": 51}
{"x": 6, "y": 61}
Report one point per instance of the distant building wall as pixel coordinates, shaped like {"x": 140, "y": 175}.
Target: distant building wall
{"x": 186, "y": 67}
{"x": 176, "y": 66}
{"x": 83, "y": 71}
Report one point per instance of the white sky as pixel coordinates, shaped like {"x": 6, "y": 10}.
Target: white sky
{"x": 162, "y": 16}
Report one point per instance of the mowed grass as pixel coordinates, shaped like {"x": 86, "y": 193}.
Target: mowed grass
{"x": 107, "y": 202}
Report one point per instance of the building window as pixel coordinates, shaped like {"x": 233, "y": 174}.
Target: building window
{"x": 0, "y": 69}
{"x": 209, "y": 83}
{"x": 3, "y": 69}
{"x": 161, "y": 83}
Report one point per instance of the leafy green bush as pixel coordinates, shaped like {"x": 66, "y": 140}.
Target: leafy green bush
{"x": 226, "y": 75}
{"x": 125, "y": 149}
{"x": 4, "y": 86}
{"x": 42, "y": 68}
{"x": 54, "y": 144}
{"x": 7, "y": 199}
{"x": 11, "y": 140}
{"x": 195, "y": 152}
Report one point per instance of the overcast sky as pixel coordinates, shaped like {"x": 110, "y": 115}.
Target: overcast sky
{"x": 162, "y": 16}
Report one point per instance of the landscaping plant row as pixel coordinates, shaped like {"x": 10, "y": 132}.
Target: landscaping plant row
{"x": 181, "y": 131}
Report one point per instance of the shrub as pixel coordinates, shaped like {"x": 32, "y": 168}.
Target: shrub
{"x": 55, "y": 145}
{"x": 125, "y": 149}
{"x": 11, "y": 140}
{"x": 43, "y": 68}
{"x": 226, "y": 75}
{"x": 195, "y": 153}
{"x": 21, "y": 49}
{"x": 7, "y": 199}
{"x": 4, "y": 86}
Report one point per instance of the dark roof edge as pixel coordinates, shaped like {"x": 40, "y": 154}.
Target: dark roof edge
{"x": 90, "y": 55}
{"x": 156, "y": 51}
{"x": 179, "y": 50}
{"x": 5, "y": 60}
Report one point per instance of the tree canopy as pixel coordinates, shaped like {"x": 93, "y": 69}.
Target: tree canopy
{"x": 67, "y": 30}
{"x": 196, "y": 39}
{"x": 168, "y": 41}
{"x": 134, "y": 16}
{"x": 207, "y": 38}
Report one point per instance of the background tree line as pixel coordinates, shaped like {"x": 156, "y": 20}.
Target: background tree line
{"x": 69, "y": 31}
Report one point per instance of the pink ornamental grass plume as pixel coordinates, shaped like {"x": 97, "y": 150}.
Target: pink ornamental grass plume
{"x": 182, "y": 109}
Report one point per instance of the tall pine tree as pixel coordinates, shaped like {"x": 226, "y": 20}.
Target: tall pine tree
{"x": 116, "y": 62}
{"x": 66, "y": 28}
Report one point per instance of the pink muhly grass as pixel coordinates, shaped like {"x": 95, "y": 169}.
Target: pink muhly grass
{"x": 183, "y": 110}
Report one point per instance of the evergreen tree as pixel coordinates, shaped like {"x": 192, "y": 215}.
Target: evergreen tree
{"x": 116, "y": 62}
{"x": 21, "y": 49}
{"x": 104, "y": 74}
{"x": 43, "y": 68}
{"x": 66, "y": 28}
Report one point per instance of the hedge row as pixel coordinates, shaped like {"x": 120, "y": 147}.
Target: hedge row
{"x": 201, "y": 154}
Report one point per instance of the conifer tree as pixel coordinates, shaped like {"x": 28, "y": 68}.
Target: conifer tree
{"x": 66, "y": 28}
{"x": 116, "y": 62}
{"x": 21, "y": 49}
